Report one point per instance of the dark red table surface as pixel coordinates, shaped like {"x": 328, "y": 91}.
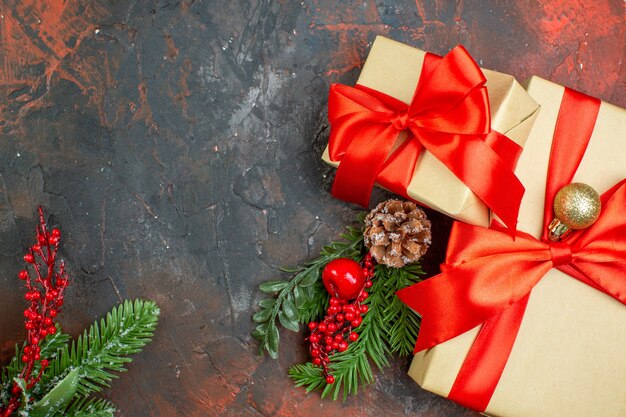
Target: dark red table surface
{"x": 177, "y": 145}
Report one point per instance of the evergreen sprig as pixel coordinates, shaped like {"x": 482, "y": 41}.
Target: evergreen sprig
{"x": 389, "y": 327}
{"x": 303, "y": 297}
{"x": 85, "y": 407}
{"x": 86, "y": 365}
{"x": 104, "y": 347}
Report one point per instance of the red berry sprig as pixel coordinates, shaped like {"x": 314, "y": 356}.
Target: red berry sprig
{"x": 335, "y": 332}
{"x": 45, "y": 294}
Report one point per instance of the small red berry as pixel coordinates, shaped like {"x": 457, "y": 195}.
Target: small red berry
{"x": 340, "y": 317}
{"x": 364, "y": 309}
{"x": 368, "y": 283}
{"x": 25, "y": 358}
{"x": 363, "y": 296}
{"x": 35, "y": 295}
{"x": 43, "y": 332}
{"x": 23, "y": 275}
{"x": 52, "y": 330}
{"x": 42, "y": 239}
{"x": 29, "y": 325}
{"x": 334, "y": 301}
{"x": 335, "y": 345}
{"x": 37, "y": 356}
{"x": 45, "y": 363}
{"x": 343, "y": 345}
{"x": 60, "y": 302}
{"x": 314, "y": 338}
{"x": 338, "y": 338}
{"x": 349, "y": 316}
{"x": 16, "y": 390}
{"x": 317, "y": 361}
{"x": 330, "y": 379}
{"x": 49, "y": 296}
{"x": 328, "y": 348}
{"x": 332, "y": 327}
{"x": 312, "y": 325}
{"x": 353, "y": 337}
{"x": 322, "y": 327}
{"x": 315, "y": 352}
{"x": 53, "y": 313}
{"x": 56, "y": 233}
{"x": 47, "y": 321}
{"x": 356, "y": 322}
{"x": 34, "y": 340}
{"x": 27, "y": 349}
{"x": 328, "y": 340}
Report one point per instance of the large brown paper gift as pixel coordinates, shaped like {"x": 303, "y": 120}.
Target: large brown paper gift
{"x": 394, "y": 68}
{"x": 568, "y": 359}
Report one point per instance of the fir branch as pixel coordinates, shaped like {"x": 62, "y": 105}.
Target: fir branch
{"x": 103, "y": 349}
{"x": 303, "y": 297}
{"x": 388, "y": 327}
{"x": 51, "y": 347}
{"x": 90, "y": 408}
{"x": 401, "y": 324}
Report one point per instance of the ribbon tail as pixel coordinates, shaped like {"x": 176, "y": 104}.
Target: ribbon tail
{"x": 362, "y": 162}
{"x": 398, "y": 171}
{"x": 480, "y": 168}
{"x": 467, "y": 294}
{"x": 481, "y": 371}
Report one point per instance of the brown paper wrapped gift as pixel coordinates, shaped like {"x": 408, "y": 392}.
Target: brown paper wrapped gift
{"x": 394, "y": 69}
{"x": 568, "y": 358}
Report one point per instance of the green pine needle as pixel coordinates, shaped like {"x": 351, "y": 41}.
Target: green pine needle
{"x": 50, "y": 348}
{"x": 90, "y": 408}
{"x": 388, "y": 327}
{"x": 104, "y": 348}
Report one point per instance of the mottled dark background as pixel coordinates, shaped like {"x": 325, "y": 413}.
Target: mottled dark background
{"x": 177, "y": 145}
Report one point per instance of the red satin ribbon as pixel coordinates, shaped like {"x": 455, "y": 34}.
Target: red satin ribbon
{"x": 488, "y": 276}
{"x": 449, "y": 116}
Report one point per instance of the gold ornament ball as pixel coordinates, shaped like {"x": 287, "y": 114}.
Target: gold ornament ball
{"x": 577, "y": 205}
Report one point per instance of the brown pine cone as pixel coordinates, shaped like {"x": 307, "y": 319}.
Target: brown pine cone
{"x": 397, "y": 233}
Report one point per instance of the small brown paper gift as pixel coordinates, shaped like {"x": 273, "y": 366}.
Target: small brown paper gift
{"x": 394, "y": 69}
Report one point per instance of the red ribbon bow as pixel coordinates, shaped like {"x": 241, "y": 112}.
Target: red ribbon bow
{"x": 449, "y": 116}
{"x": 487, "y": 271}
{"x": 488, "y": 276}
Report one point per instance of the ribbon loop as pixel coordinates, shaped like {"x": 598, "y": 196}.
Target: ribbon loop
{"x": 561, "y": 254}
{"x": 449, "y": 116}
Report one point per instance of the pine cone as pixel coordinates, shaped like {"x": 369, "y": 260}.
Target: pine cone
{"x": 397, "y": 233}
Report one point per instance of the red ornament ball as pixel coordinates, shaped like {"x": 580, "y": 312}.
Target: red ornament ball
{"x": 343, "y": 278}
